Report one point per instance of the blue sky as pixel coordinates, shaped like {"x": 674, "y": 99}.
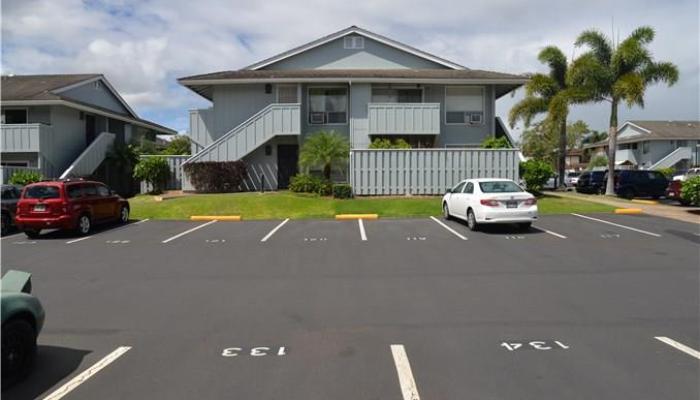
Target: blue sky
{"x": 144, "y": 46}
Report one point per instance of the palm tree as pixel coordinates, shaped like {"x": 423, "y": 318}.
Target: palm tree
{"x": 547, "y": 94}
{"x": 615, "y": 73}
{"x": 324, "y": 150}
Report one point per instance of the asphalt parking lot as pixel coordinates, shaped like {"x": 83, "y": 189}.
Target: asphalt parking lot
{"x": 580, "y": 307}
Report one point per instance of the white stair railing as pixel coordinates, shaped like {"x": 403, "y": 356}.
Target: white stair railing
{"x": 91, "y": 158}
{"x": 671, "y": 159}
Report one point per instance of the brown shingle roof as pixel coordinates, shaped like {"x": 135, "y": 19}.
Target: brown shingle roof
{"x": 357, "y": 73}
{"x": 669, "y": 130}
{"x": 38, "y": 87}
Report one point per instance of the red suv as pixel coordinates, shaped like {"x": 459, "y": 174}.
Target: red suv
{"x": 68, "y": 204}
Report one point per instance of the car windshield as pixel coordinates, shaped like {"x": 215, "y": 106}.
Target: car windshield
{"x": 499, "y": 187}
{"x": 574, "y": 174}
{"x": 41, "y": 192}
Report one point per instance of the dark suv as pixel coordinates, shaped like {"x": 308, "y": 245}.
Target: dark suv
{"x": 68, "y": 204}
{"x": 591, "y": 182}
{"x": 10, "y": 197}
{"x": 640, "y": 183}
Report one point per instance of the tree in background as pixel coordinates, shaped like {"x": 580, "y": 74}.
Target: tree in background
{"x": 547, "y": 94}
{"x": 598, "y": 161}
{"x": 595, "y": 136}
{"x": 539, "y": 142}
{"x": 493, "y": 142}
{"x": 180, "y": 145}
{"x": 324, "y": 150}
{"x": 616, "y": 73}
{"x": 575, "y": 133}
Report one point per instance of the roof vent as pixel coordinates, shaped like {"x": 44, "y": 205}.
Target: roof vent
{"x": 354, "y": 42}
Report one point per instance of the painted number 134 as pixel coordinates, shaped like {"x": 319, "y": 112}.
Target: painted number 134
{"x": 535, "y": 344}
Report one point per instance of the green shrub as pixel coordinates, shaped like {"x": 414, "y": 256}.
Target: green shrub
{"x": 25, "y": 177}
{"x": 325, "y": 188}
{"x": 598, "y": 161}
{"x": 155, "y": 171}
{"x": 668, "y": 172}
{"x": 342, "y": 191}
{"x": 216, "y": 176}
{"x": 536, "y": 173}
{"x": 304, "y": 183}
{"x": 493, "y": 142}
{"x": 690, "y": 190}
{"x": 383, "y": 143}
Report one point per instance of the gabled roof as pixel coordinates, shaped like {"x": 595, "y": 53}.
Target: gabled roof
{"x": 663, "y": 130}
{"x": 50, "y": 87}
{"x": 23, "y": 90}
{"x": 357, "y": 31}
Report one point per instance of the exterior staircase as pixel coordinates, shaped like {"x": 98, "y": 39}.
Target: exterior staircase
{"x": 673, "y": 158}
{"x": 91, "y": 158}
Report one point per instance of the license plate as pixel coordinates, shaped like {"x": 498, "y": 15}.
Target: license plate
{"x": 671, "y": 194}
{"x": 40, "y": 207}
{"x": 511, "y": 204}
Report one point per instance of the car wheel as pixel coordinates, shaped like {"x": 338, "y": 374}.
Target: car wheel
{"x": 84, "y": 224}
{"x": 124, "y": 215}
{"x": 524, "y": 226}
{"x": 628, "y": 194}
{"x": 5, "y": 224}
{"x": 446, "y": 212}
{"x": 471, "y": 221}
{"x": 32, "y": 233}
{"x": 18, "y": 350}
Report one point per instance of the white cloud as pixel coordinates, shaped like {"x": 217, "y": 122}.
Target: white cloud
{"x": 143, "y": 46}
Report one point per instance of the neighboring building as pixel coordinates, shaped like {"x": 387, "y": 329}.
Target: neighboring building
{"x": 355, "y": 82}
{"x": 574, "y": 160}
{"x": 654, "y": 144}
{"x": 63, "y": 125}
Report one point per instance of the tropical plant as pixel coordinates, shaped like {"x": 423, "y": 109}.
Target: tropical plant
{"x": 690, "y": 190}
{"x": 25, "y": 177}
{"x": 616, "y": 73}
{"x": 324, "y": 150}
{"x": 599, "y": 160}
{"x": 146, "y": 147}
{"x": 539, "y": 142}
{"x": 668, "y": 172}
{"x": 383, "y": 143}
{"x": 575, "y": 133}
{"x": 536, "y": 173}
{"x": 493, "y": 142}
{"x": 594, "y": 136}
{"x": 180, "y": 145}
{"x": 122, "y": 157}
{"x": 547, "y": 93}
{"x": 342, "y": 191}
{"x": 216, "y": 176}
{"x": 155, "y": 171}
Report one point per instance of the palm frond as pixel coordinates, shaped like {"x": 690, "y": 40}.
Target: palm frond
{"x": 630, "y": 87}
{"x": 643, "y": 34}
{"x": 660, "y": 72}
{"x": 598, "y": 43}
{"x": 542, "y": 85}
{"x": 526, "y": 109}
{"x": 588, "y": 76}
{"x": 556, "y": 60}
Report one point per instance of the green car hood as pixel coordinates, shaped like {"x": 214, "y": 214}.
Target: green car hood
{"x": 16, "y": 298}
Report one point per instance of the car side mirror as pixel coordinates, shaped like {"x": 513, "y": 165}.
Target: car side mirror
{"x": 112, "y": 192}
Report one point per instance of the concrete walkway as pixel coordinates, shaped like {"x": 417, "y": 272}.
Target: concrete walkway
{"x": 677, "y": 212}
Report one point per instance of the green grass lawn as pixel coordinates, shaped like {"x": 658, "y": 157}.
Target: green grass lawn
{"x": 280, "y": 205}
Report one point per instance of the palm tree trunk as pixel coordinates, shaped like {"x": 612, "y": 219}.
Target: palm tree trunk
{"x": 612, "y": 147}
{"x": 327, "y": 172}
{"x": 562, "y": 152}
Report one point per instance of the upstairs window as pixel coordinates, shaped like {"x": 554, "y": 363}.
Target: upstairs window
{"x": 354, "y": 42}
{"x": 645, "y": 147}
{"x": 328, "y": 106}
{"x": 14, "y": 116}
{"x": 464, "y": 105}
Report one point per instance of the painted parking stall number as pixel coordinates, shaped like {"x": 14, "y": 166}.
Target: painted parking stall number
{"x": 610, "y": 235}
{"x": 260, "y": 351}
{"x": 515, "y": 237}
{"x": 542, "y": 345}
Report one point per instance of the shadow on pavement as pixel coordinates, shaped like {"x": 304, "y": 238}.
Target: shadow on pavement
{"x": 501, "y": 229}
{"x": 52, "y": 364}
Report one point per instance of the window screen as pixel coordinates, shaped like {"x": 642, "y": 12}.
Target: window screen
{"x": 328, "y": 105}
{"x": 461, "y": 102}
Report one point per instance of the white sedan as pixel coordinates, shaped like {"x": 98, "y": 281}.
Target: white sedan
{"x": 488, "y": 201}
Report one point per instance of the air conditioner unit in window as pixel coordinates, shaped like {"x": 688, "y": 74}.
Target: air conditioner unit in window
{"x": 475, "y": 118}
{"x": 317, "y": 117}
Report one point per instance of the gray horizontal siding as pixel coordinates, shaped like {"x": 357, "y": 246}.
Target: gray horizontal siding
{"x": 426, "y": 171}
{"x": 404, "y": 118}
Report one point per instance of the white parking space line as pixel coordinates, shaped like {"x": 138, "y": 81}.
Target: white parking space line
{"x": 409, "y": 390}
{"x": 559, "y": 235}
{"x": 14, "y": 235}
{"x": 363, "y": 235}
{"x": 618, "y": 225}
{"x": 181, "y": 234}
{"x": 78, "y": 239}
{"x": 272, "y": 232}
{"x": 85, "y": 375}
{"x": 680, "y": 346}
{"x": 142, "y": 221}
{"x": 449, "y": 229}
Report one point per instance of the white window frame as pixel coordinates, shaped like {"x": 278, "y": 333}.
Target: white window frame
{"x": 308, "y": 104}
{"x": 353, "y": 42}
{"x": 277, "y": 92}
{"x": 422, "y": 92}
{"x": 26, "y": 113}
{"x": 466, "y": 120}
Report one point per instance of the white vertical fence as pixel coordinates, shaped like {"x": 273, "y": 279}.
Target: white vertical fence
{"x": 426, "y": 171}
{"x": 175, "y": 179}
